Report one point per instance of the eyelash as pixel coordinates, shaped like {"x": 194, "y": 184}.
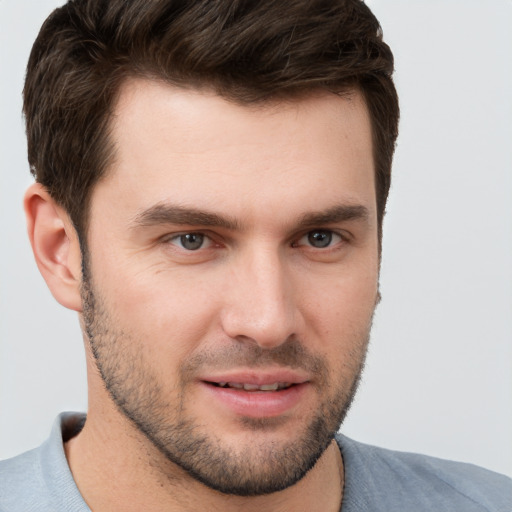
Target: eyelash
{"x": 179, "y": 237}
{"x": 330, "y": 234}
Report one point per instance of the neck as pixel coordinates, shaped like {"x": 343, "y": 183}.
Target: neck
{"x": 116, "y": 468}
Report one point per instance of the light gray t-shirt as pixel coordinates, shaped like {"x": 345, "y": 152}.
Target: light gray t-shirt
{"x": 376, "y": 480}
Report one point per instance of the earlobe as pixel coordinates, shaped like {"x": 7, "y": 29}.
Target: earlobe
{"x": 55, "y": 245}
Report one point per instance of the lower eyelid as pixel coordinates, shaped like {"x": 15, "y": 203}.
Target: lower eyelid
{"x": 337, "y": 238}
{"x": 207, "y": 241}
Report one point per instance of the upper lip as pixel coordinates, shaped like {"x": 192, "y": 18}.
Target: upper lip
{"x": 258, "y": 377}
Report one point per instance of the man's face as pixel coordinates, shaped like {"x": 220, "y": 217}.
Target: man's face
{"x": 232, "y": 278}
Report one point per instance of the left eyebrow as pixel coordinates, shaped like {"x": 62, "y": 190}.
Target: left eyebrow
{"x": 340, "y": 213}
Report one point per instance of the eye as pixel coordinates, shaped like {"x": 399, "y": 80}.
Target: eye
{"x": 320, "y": 239}
{"x": 191, "y": 241}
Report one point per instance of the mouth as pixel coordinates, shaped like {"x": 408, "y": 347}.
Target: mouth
{"x": 257, "y": 395}
{"x": 275, "y": 386}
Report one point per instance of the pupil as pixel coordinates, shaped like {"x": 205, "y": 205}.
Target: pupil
{"x": 320, "y": 238}
{"x": 192, "y": 241}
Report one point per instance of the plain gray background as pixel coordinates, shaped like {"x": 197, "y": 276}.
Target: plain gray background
{"x": 438, "y": 378}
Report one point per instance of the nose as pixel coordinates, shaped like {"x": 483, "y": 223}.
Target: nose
{"x": 260, "y": 305}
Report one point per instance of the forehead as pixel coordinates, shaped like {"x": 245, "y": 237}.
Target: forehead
{"x": 199, "y": 149}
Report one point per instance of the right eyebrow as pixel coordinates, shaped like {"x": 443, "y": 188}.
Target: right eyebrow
{"x": 174, "y": 214}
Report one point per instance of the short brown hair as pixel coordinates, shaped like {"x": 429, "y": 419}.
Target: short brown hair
{"x": 247, "y": 50}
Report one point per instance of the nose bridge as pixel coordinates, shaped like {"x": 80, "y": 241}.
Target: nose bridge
{"x": 261, "y": 305}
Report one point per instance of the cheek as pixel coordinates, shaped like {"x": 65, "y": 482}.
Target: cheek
{"x": 161, "y": 310}
{"x": 339, "y": 324}
{"x": 345, "y": 304}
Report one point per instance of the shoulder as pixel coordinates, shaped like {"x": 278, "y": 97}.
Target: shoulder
{"x": 22, "y": 482}
{"x": 40, "y": 479}
{"x": 381, "y": 479}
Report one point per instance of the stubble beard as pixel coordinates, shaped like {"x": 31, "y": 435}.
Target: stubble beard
{"x": 256, "y": 469}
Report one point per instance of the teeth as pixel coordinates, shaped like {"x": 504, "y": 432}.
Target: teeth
{"x": 251, "y": 387}
{"x": 254, "y": 387}
{"x": 270, "y": 387}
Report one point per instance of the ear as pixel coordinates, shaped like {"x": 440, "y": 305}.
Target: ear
{"x": 55, "y": 245}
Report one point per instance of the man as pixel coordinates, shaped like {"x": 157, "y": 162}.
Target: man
{"x": 211, "y": 182}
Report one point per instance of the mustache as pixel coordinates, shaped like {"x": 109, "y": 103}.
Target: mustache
{"x": 290, "y": 354}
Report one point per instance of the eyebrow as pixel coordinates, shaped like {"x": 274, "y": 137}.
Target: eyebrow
{"x": 339, "y": 213}
{"x": 174, "y": 214}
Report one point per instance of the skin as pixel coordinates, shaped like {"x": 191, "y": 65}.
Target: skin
{"x": 158, "y": 318}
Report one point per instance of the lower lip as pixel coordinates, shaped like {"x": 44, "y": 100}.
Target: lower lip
{"x": 257, "y": 404}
